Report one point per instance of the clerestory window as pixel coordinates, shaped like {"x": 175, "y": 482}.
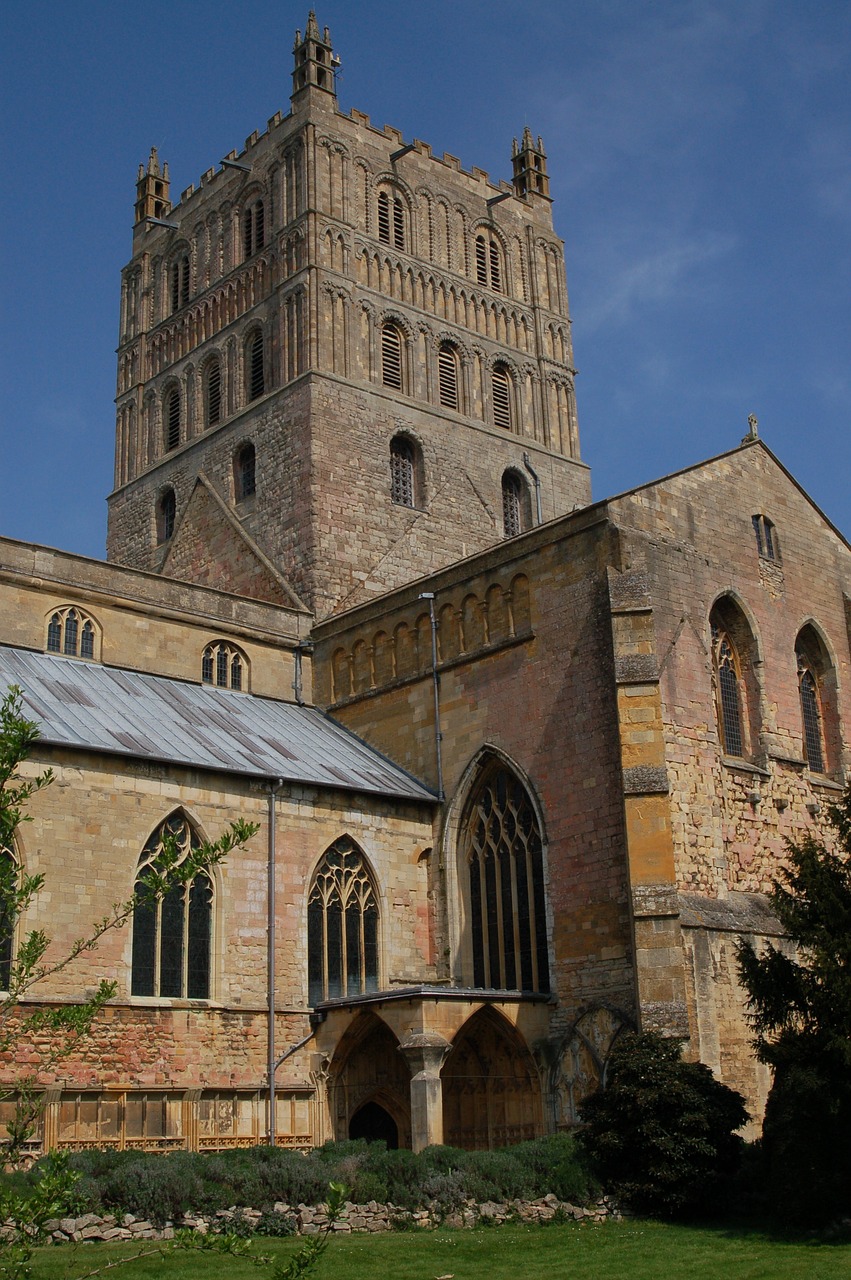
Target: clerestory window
{"x": 72, "y": 633}
{"x": 224, "y": 666}
{"x": 172, "y": 937}
{"x": 342, "y": 926}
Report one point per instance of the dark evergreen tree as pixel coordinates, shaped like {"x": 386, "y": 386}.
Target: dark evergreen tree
{"x": 662, "y": 1133}
{"x": 800, "y": 1007}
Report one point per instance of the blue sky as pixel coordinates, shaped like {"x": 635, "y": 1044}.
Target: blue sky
{"x": 700, "y": 161}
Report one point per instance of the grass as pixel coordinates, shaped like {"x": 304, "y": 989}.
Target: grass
{"x": 639, "y": 1250}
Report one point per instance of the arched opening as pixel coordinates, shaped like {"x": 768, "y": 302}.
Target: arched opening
{"x": 502, "y": 879}
{"x": 734, "y": 660}
{"x": 374, "y": 1124}
{"x": 368, "y": 1071}
{"x": 491, "y": 1086}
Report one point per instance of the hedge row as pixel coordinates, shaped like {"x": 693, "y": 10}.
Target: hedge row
{"x": 164, "y": 1187}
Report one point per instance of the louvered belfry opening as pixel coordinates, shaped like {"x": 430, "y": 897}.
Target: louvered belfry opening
{"x": 447, "y": 370}
{"x": 501, "y": 387}
{"x": 391, "y": 357}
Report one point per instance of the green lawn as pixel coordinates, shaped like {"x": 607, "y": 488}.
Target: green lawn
{"x": 614, "y": 1251}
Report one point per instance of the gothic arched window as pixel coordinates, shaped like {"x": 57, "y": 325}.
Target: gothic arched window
{"x": 734, "y": 678}
{"x": 72, "y": 632}
{"x": 447, "y": 375}
{"x": 503, "y": 855}
{"x": 817, "y": 694}
{"x": 391, "y": 356}
{"x": 728, "y": 692}
{"x": 342, "y": 926}
{"x": 9, "y": 878}
{"x": 172, "y": 937}
{"x": 225, "y": 666}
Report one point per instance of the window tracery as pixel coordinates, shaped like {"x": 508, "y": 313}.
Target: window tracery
{"x": 172, "y": 938}
{"x": 728, "y": 692}
{"x": 502, "y": 851}
{"x": 342, "y": 926}
{"x": 71, "y": 632}
{"x": 225, "y": 666}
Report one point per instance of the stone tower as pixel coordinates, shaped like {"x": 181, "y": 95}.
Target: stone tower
{"x": 344, "y": 362}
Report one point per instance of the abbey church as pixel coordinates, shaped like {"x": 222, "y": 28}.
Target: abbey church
{"x": 522, "y": 765}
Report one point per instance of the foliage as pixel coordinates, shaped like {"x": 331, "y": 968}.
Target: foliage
{"x": 55, "y": 1032}
{"x": 162, "y": 1187}
{"x": 662, "y": 1132}
{"x": 800, "y": 1009}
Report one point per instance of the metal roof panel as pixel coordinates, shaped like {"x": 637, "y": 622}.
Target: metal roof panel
{"x": 86, "y": 705}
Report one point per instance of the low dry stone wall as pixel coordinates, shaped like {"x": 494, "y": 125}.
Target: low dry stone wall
{"x": 310, "y": 1220}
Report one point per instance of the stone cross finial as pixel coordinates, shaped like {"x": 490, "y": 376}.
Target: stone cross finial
{"x": 753, "y": 434}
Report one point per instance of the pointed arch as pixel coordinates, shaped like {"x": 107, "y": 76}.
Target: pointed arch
{"x": 736, "y": 692}
{"x": 817, "y": 692}
{"x": 172, "y": 937}
{"x": 492, "y": 1094}
{"x": 500, "y": 858}
{"x": 342, "y": 925}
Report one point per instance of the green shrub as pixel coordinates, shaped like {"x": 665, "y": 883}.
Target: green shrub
{"x": 661, "y": 1133}
{"x": 275, "y": 1224}
{"x": 159, "y": 1188}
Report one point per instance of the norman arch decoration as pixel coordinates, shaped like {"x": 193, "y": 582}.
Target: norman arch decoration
{"x": 172, "y": 937}
{"x": 491, "y": 1086}
{"x": 342, "y": 926}
{"x": 501, "y": 865}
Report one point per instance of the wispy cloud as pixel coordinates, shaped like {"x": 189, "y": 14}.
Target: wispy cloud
{"x": 623, "y": 287}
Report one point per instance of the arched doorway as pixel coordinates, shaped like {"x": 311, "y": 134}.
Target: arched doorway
{"x": 491, "y": 1086}
{"x": 375, "y": 1124}
{"x": 370, "y": 1080}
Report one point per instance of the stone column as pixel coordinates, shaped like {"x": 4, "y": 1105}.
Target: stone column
{"x": 425, "y": 1053}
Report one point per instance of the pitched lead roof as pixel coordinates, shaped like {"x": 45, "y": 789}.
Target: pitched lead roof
{"x": 85, "y": 705}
